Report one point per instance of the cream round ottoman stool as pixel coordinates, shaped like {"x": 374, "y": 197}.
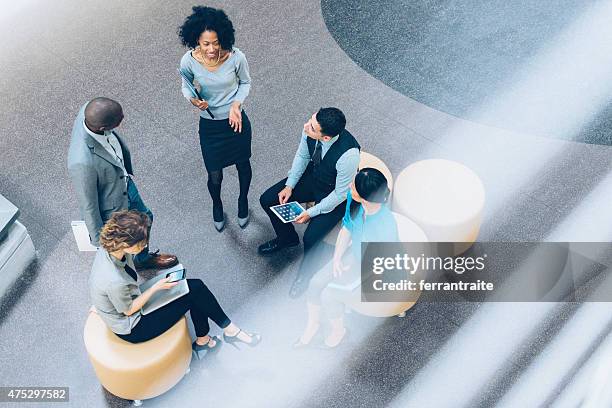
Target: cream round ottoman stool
{"x": 365, "y": 160}
{"x": 137, "y": 371}
{"x": 444, "y": 198}
{"x": 408, "y": 232}
{"x": 369, "y": 160}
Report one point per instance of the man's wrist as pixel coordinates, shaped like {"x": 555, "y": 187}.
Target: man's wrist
{"x": 312, "y": 212}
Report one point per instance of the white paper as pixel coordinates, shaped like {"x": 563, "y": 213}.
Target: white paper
{"x": 81, "y": 236}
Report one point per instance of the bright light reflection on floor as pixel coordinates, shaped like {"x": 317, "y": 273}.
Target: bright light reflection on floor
{"x": 561, "y": 89}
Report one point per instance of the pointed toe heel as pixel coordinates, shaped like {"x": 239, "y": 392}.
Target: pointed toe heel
{"x": 220, "y": 225}
{"x": 235, "y": 341}
{"x": 243, "y": 222}
{"x": 201, "y": 351}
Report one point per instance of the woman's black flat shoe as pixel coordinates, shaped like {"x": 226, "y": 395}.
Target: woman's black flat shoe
{"x": 233, "y": 340}
{"x": 202, "y": 351}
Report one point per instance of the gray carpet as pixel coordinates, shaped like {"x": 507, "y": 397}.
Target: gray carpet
{"x": 455, "y": 55}
{"x": 54, "y": 56}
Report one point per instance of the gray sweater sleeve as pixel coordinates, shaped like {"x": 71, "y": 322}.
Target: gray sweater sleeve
{"x": 244, "y": 77}
{"x": 186, "y": 68}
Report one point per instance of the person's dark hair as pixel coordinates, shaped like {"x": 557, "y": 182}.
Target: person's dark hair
{"x": 103, "y": 112}
{"x": 125, "y": 229}
{"x": 371, "y": 185}
{"x": 332, "y": 121}
{"x": 207, "y": 19}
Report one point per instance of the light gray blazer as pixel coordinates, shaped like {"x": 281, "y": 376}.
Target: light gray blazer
{"x": 98, "y": 180}
{"x": 113, "y": 290}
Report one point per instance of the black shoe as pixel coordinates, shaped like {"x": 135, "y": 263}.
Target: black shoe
{"x": 243, "y": 213}
{"x": 298, "y": 287}
{"x": 275, "y": 245}
{"x": 218, "y": 217}
{"x": 201, "y": 351}
{"x": 219, "y": 225}
{"x": 233, "y": 340}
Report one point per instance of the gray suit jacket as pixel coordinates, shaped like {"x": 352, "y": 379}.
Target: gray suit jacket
{"x": 98, "y": 180}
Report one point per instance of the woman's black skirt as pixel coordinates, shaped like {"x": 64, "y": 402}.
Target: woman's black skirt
{"x": 221, "y": 146}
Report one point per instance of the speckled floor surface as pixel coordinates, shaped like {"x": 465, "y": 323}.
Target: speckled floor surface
{"x": 459, "y": 57}
{"x": 55, "y": 56}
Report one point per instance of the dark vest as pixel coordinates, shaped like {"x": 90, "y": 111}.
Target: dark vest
{"x": 325, "y": 174}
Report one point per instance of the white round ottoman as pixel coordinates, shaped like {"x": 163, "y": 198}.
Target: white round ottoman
{"x": 444, "y": 198}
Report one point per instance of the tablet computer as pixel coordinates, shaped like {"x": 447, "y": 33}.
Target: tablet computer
{"x": 288, "y": 212}
{"x": 163, "y": 297}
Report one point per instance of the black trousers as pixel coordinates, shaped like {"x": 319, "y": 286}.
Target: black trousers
{"x": 315, "y": 251}
{"x": 201, "y": 304}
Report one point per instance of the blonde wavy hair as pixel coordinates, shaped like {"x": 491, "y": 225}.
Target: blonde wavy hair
{"x": 125, "y": 229}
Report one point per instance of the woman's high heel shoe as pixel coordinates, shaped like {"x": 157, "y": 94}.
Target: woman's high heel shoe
{"x": 204, "y": 350}
{"x": 218, "y": 214}
{"x": 220, "y": 225}
{"x": 341, "y": 341}
{"x": 299, "y": 344}
{"x": 233, "y": 340}
{"x": 243, "y": 209}
{"x": 243, "y": 222}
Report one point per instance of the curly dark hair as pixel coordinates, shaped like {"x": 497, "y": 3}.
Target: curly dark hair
{"x": 124, "y": 229}
{"x": 207, "y": 19}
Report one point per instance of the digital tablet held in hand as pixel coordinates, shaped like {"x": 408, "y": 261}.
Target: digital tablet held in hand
{"x": 162, "y": 297}
{"x": 176, "y": 275}
{"x": 288, "y": 212}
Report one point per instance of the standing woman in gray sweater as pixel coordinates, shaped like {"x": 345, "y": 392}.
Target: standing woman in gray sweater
{"x": 223, "y": 75}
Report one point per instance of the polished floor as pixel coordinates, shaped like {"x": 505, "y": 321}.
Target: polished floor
{"x": 55, "y": 56}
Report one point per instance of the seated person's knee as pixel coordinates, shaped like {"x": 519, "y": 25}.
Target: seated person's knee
{"x": 195, "y": 285}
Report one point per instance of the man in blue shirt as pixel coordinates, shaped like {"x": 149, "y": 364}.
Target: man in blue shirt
{"x": 323, "y": 167}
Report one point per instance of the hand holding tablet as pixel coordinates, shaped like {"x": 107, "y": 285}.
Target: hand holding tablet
{"x": 288, "y": 212}
{"x": 176, "y": 275}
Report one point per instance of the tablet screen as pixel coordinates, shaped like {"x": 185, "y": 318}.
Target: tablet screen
{"x": 287, "y": 212}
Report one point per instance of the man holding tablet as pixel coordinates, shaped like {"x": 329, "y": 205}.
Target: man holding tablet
{"x": 323, "y": 167}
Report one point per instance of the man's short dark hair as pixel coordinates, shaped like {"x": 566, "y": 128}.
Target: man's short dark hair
{"x": 207, "y": 19}
{"x": 103, "y": 112}
{"x": 331, "y": 120}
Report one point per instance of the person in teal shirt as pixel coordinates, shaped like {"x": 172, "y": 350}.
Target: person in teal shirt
{"x": 372, "y": 222}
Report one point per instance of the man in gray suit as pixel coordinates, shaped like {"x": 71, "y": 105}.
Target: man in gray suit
{"x": 101, "y": 169}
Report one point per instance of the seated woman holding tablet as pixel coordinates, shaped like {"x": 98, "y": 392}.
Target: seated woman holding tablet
{"x": 119, "y": 300}
{"x": 373, "y": 222}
